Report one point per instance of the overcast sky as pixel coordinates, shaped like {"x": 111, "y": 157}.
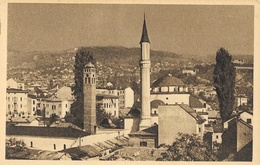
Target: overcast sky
{"x": 192, "y": 29}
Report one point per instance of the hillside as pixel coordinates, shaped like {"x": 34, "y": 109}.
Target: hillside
{"x": 105, "y": 55}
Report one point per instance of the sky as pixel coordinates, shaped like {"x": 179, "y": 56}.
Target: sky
{"x": 183, "y": 29}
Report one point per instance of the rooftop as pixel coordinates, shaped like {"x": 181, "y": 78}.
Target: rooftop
{"x": 167, "y": 81}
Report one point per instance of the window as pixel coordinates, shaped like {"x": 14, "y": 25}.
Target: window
{"x": 33, "y": 102}
{"x": 249, "y": 121}
{"x": 166, "y": 98}
{"x": 114, "y": 113}
{"x": 47, "y": 105}
{"x": 33, "y": 108}
{"x": 54, "y": 146}
{"x": 143, "y": 143}
{"x": 199, "y": 129}
{"x": 31, "y": 144}
{"x": 64, "y": 146}
{"x": 66, "y": 105}
{"x": 21, "y": 99}
{"x": 21, "y": 106}
{"x": 216, "y": 136}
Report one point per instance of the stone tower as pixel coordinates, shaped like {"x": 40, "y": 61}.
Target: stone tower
{"x": 145, "y": 79}
{"x": 89, "y": 89}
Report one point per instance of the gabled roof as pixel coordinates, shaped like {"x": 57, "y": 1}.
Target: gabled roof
{"x": 192, "y": 112}
{"x": 144, "y": 37}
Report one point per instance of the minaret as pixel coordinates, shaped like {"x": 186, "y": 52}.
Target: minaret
{"x": 145, "y": 79}
{"x": 89, "y": 89}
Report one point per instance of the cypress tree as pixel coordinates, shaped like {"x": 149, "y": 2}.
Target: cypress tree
{"x": 224, "y": 82}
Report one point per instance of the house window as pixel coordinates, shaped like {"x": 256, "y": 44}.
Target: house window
{"x": 21, "y": 106}
{"x": 31, "y": 144}
{"x": 64, "y": 146}
{"x": 249, "y": 121}
{"x": 54, "y": 146}
{"x": 166, "y": 98}
{"x": 216, "y": 136}
{"x": 66, "y": 105}
{"x": 143, "y": 143}
{"x": 155, "y": 112}
{"x": 33, "y": 102}
{"x": 199, "y": 129}
{"x": 21, "y": 98}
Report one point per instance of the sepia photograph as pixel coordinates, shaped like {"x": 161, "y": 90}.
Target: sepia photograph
{"x": 129, "y": 82}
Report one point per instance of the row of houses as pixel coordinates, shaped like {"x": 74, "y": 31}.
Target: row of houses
{"x": 28, "y": 102}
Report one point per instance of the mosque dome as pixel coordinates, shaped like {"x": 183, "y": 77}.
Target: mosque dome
{"x": 166, "y": 81}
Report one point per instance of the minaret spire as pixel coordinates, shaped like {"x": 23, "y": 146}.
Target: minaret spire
{"x": 145, "y": 37}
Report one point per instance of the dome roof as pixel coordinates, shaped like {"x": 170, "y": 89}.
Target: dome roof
{"x": 89, "y": 65}
{"x": 156, "y": 103}
{"x": 167, "y": 81}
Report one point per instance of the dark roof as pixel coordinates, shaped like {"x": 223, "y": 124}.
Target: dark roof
{"x": 151, "y": 131}
{"x": 195, "y": 102}
{"x": 59, "y": 124}
{"x": 246, "y": 153}
{"x": 12, "y": 90}
{"x": 192, "y": 112}
{"x": 45, "y": 131}
{"x": 167, "y": 81}
{"x": 32, "y": 96}
{"x": 145, "y": 37}
{"x": 101, "y": 96}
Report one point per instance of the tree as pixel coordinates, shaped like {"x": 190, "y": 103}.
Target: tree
{"x": 224, "y": 81}
{"x": 83, "y": 56}
{"x": 189, "y": 148}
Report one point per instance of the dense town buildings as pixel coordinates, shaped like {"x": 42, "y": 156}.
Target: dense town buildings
{"x": 164, "y": 109}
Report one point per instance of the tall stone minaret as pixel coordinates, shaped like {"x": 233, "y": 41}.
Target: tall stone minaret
{"x": 145, "y": 79}
{"x": 89, "y": 89}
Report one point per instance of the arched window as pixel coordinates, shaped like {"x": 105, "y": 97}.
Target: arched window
{"x": 54, "y": 146}
{"x": 64, "y": 146}
{"x": 31, "y": 144}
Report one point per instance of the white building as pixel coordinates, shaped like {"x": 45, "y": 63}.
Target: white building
{"x": 109, "y": 103}
{"x": 16, "y": 102}
{"x": 170, "y": 90}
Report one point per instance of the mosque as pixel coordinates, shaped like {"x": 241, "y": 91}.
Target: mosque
{"x": 164, "y": 107}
